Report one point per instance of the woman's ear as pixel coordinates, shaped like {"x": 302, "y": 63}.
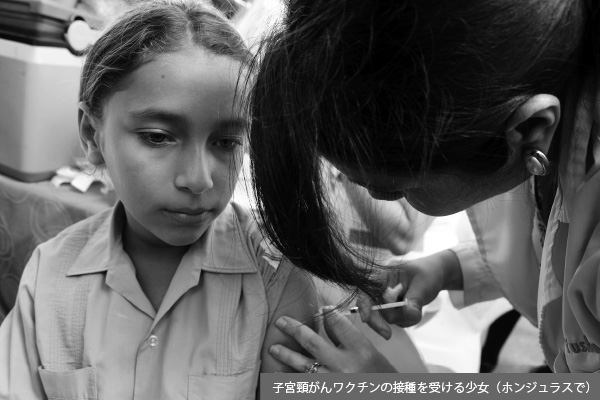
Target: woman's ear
{"x": 89, "y": 135}
{"x": 533, "y": 124}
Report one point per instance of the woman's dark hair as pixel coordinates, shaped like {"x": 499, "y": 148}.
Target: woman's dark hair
{"x": 149, "y": 29}
{"x": 396, "y": 87}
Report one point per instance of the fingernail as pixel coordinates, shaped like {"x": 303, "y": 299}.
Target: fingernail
{"x": 392, "y": 293}
{"x": 274, "y": 350}
{"x": 281, "y": 322}
{"x": 387, "y": 332}
{"x": 415, "y": 304}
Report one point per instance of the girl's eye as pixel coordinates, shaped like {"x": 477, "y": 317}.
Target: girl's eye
{"x": 227, "y": 143}
{"x": 155, "y": 138}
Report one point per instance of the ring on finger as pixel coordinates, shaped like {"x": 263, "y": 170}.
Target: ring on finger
{"x": 312, "y": 368}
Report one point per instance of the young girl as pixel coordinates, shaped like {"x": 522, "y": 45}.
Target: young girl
{"x": 172, "y": 293}
{"x": 448, "y": 104}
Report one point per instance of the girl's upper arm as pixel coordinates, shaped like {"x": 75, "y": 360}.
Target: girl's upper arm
{"x": 299, "y": 301}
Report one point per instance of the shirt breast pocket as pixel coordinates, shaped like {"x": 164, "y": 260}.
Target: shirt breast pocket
{"x": 77, "y": 384}
{"x": 213, "y": 387}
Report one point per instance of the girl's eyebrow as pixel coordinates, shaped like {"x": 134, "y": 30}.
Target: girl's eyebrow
{"x": 175, "y": 118}
{"x": 159, "y": 114}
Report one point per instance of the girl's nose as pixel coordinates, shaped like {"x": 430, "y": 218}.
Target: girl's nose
{"x": 194, "y": 173}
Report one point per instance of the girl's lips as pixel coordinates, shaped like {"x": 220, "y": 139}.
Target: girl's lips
{"x": 186, "y": 210}
{"x": 188, "y": 216}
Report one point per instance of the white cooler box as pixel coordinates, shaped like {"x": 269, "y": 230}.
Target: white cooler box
{"x": 39, "y": 84}
{"x": 38, "y": 110}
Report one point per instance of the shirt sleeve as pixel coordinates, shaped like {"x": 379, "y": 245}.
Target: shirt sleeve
{"x": 285, "y": 285}
{"x": 581, "y": 310}
{"x": 478, "y": 281}
{"x": 289, "y": 291}
{"x": 19, "y": 357}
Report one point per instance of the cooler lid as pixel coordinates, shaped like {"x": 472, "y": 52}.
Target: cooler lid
{"x": 38, "y": 22}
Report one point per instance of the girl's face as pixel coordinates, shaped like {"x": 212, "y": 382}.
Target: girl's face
{"x": 172, "y": 143}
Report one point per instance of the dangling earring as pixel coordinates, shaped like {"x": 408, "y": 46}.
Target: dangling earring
{"x": 537, "y": 163}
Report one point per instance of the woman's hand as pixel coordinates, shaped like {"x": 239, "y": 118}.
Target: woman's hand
{"x": 418, "y": 282}
{"x": 345, "y": 349}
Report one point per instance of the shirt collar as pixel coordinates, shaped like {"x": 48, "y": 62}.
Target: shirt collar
{"x": 95, "y": 255}
{"x": 222, "y": 249}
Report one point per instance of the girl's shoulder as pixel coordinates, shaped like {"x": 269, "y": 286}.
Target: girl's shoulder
{"x": 78, "y": 234}
{"x": 57, "y": 255}
{"x": 49, "y": 265}
{"x": 237, "y": 221}
{"x": 241, "y": 222}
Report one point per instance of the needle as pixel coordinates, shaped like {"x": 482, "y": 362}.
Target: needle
{"x": 354, "y": 310}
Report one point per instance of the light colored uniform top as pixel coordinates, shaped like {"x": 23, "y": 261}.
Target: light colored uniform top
{"x": 94, "y": 334}
{"x": 557, "y": 285}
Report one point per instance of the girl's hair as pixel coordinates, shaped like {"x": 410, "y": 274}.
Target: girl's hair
{"x": 397, "y": 87}
{"x": 149, "y": 29}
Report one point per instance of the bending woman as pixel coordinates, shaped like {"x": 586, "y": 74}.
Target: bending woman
{"x": 490, "y": 106}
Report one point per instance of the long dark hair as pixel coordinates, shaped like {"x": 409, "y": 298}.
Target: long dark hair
{"x": 402, "y": 87}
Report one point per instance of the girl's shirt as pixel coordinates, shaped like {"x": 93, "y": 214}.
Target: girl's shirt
{"x": 83, "y": 328}
{"x": 556, "y": 285}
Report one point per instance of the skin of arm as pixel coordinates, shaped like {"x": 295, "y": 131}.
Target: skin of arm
{"x": 299, "y": 301}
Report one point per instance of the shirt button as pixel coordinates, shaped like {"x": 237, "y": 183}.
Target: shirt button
{"x": 153, "y": 340}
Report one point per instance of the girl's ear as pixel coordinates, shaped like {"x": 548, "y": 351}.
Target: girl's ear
{"x": 89, "y": 135}
{"x": 533, "y": 124}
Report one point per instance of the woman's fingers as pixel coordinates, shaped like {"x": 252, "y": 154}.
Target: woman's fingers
{"x": 307, "y": 338}
{"x": 379, "y": 325}
{"x": 407, "y": 315}
{"x": 410, "y": 313}
{"x": 294, "y": 359}
{"x": 393, "y": 294}
{"x": 341, "y": 330}
{"x": 355, "y": 354}
{"x": 375, "y": 319}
